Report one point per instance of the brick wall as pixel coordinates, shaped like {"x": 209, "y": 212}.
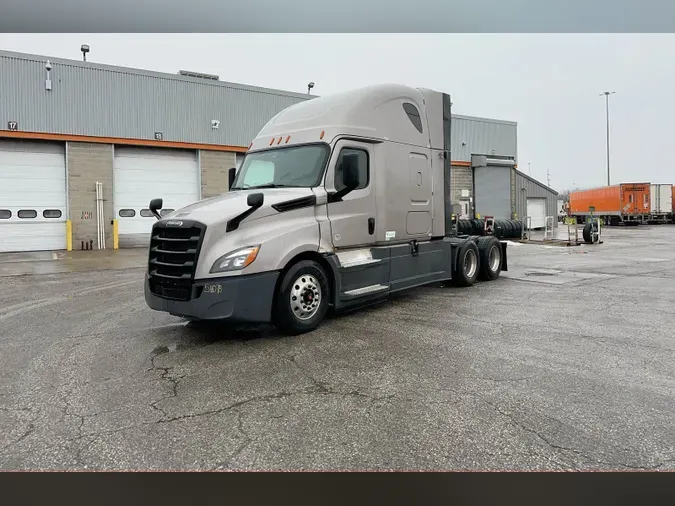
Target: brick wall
{"x": 461, "y": 178}
{"x": 214, "y": 166}
{"x": 89, "y": 163}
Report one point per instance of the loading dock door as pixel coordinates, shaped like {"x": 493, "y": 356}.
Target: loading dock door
{"x": 493, "y": 191}
{"x": 32, "y": 196}
{"x": 536, "y": 210}
{"x": 142, "y": 174}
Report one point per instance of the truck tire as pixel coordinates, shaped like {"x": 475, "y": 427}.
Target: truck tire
{"x": 510, "y": 229}
{"x": 490, "y": 255}
{"x": 589, "y": 228}
{"x": 301, "y": 301}
{"x": 499, "y": 229}
{"x": 468, "y": 264}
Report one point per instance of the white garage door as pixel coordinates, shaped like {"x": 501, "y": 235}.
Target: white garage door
{"x": 32, "y": 196}
{"x": 536, "y": 210}
{"x": 142, "y": 174}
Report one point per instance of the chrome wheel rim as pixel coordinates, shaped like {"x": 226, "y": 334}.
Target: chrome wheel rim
{"x": 494, "y": 258}
{"x": 305, "y": 297}
{"x": 470, "y": 263}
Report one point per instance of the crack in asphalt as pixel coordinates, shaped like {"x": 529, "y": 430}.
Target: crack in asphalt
{"x": 67, "y": 411}
{"x": 80, "y": 428}
{"x": 165, "y": 376}
{"x": 500, "y": 380}
{"x": 323, "y": 387}
{"x": 24, "y": 435}
{"x": 551, "y": 444}
{"x": 659, "y": 466}
{"x": 247, "y": 441}
{"x": 217, "y": 411}
{"x": 317, "y": 388}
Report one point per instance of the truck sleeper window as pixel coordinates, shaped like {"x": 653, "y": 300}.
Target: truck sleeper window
{"x": 300, "y": 166}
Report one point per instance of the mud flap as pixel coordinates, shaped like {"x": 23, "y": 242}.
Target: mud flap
{"x": 505, "y": 263}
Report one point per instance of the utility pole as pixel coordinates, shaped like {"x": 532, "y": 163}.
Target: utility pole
{"x": 548, "y": 177}
{"x": 607, "y": 94}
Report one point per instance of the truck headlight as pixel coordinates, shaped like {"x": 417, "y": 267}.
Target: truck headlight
{"x": 236, "y": 260}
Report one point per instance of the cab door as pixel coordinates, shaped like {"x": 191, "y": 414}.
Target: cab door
{"x": 353, "y": 218}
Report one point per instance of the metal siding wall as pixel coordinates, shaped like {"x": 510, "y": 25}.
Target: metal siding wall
{"x": 492, "y": 192}
{"x": 482, "y": 137}
{"x": 88, "y": 100}
{"x": 534, "y": 190}
{"x": 105, "y": 101}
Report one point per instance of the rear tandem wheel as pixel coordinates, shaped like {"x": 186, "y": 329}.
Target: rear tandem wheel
{"x": 467, "y": 267}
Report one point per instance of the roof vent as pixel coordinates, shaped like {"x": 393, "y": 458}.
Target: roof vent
{"x": 198, "y": 75}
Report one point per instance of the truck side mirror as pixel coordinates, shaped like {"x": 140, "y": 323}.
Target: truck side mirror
{"x": 255, "y": 200}
{"x": 231, "y": 174}
{"x": 350, "y": 171}
{"x": 350, "y": 177}
{"x": 155, "y": 206}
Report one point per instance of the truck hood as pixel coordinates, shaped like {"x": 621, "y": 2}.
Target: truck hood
{"x": 224, "y": 207}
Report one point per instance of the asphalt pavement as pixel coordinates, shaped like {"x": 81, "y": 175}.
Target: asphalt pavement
{"x": 566, "y": 362}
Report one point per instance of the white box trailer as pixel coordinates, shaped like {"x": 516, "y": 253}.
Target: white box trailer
{"x": 661, "y": 205}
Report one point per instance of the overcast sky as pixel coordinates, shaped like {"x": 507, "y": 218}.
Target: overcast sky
{"x": 549, "y": 84}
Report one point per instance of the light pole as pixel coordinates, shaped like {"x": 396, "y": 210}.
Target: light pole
{"x": 607, "y": 94}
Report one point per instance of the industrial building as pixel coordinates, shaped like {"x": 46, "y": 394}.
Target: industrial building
{"x": 66, "y": 125}
{"x": 485, "y": 179}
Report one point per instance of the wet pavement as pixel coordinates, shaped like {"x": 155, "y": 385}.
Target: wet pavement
{"x": 566, "y": 362}
{"x": 54, "y": 262}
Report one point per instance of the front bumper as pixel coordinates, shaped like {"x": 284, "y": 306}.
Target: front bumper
{"x": 236, "y": 298}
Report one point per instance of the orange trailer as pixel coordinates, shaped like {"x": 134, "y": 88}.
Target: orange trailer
{"x": 627, "y": 203}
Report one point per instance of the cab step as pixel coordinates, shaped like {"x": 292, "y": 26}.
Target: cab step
{"x": 364, "y": 290}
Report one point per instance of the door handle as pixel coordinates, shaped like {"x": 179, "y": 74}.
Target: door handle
{"x": 371, "y": 226}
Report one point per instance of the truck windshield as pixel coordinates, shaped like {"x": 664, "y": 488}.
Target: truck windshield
{"x": 298, "y": 166}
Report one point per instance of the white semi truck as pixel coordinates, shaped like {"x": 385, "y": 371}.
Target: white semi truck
{"x": 340, "y": 201}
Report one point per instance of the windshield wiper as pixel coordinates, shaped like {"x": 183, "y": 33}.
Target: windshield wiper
{"x": 270, "y": 185}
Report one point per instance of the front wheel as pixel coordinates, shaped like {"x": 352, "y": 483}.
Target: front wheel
{"x": 301, "y": 302}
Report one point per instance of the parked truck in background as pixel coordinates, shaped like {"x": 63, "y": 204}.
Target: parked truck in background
{"x": 562, "y": 210}
{"x": 340, "y": 201}
{"x": 661, "y": 209}
{"x": 625, "y": 203}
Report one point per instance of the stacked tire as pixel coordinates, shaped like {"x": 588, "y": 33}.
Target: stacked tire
{"x": 508, "y": 229}
{"x": 503, "y": 229}
{"x": 470, "y": 227}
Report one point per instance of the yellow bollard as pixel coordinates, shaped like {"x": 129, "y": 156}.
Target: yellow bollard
{"x": 116, "y": 237}
{"x": 69, "y": 235}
